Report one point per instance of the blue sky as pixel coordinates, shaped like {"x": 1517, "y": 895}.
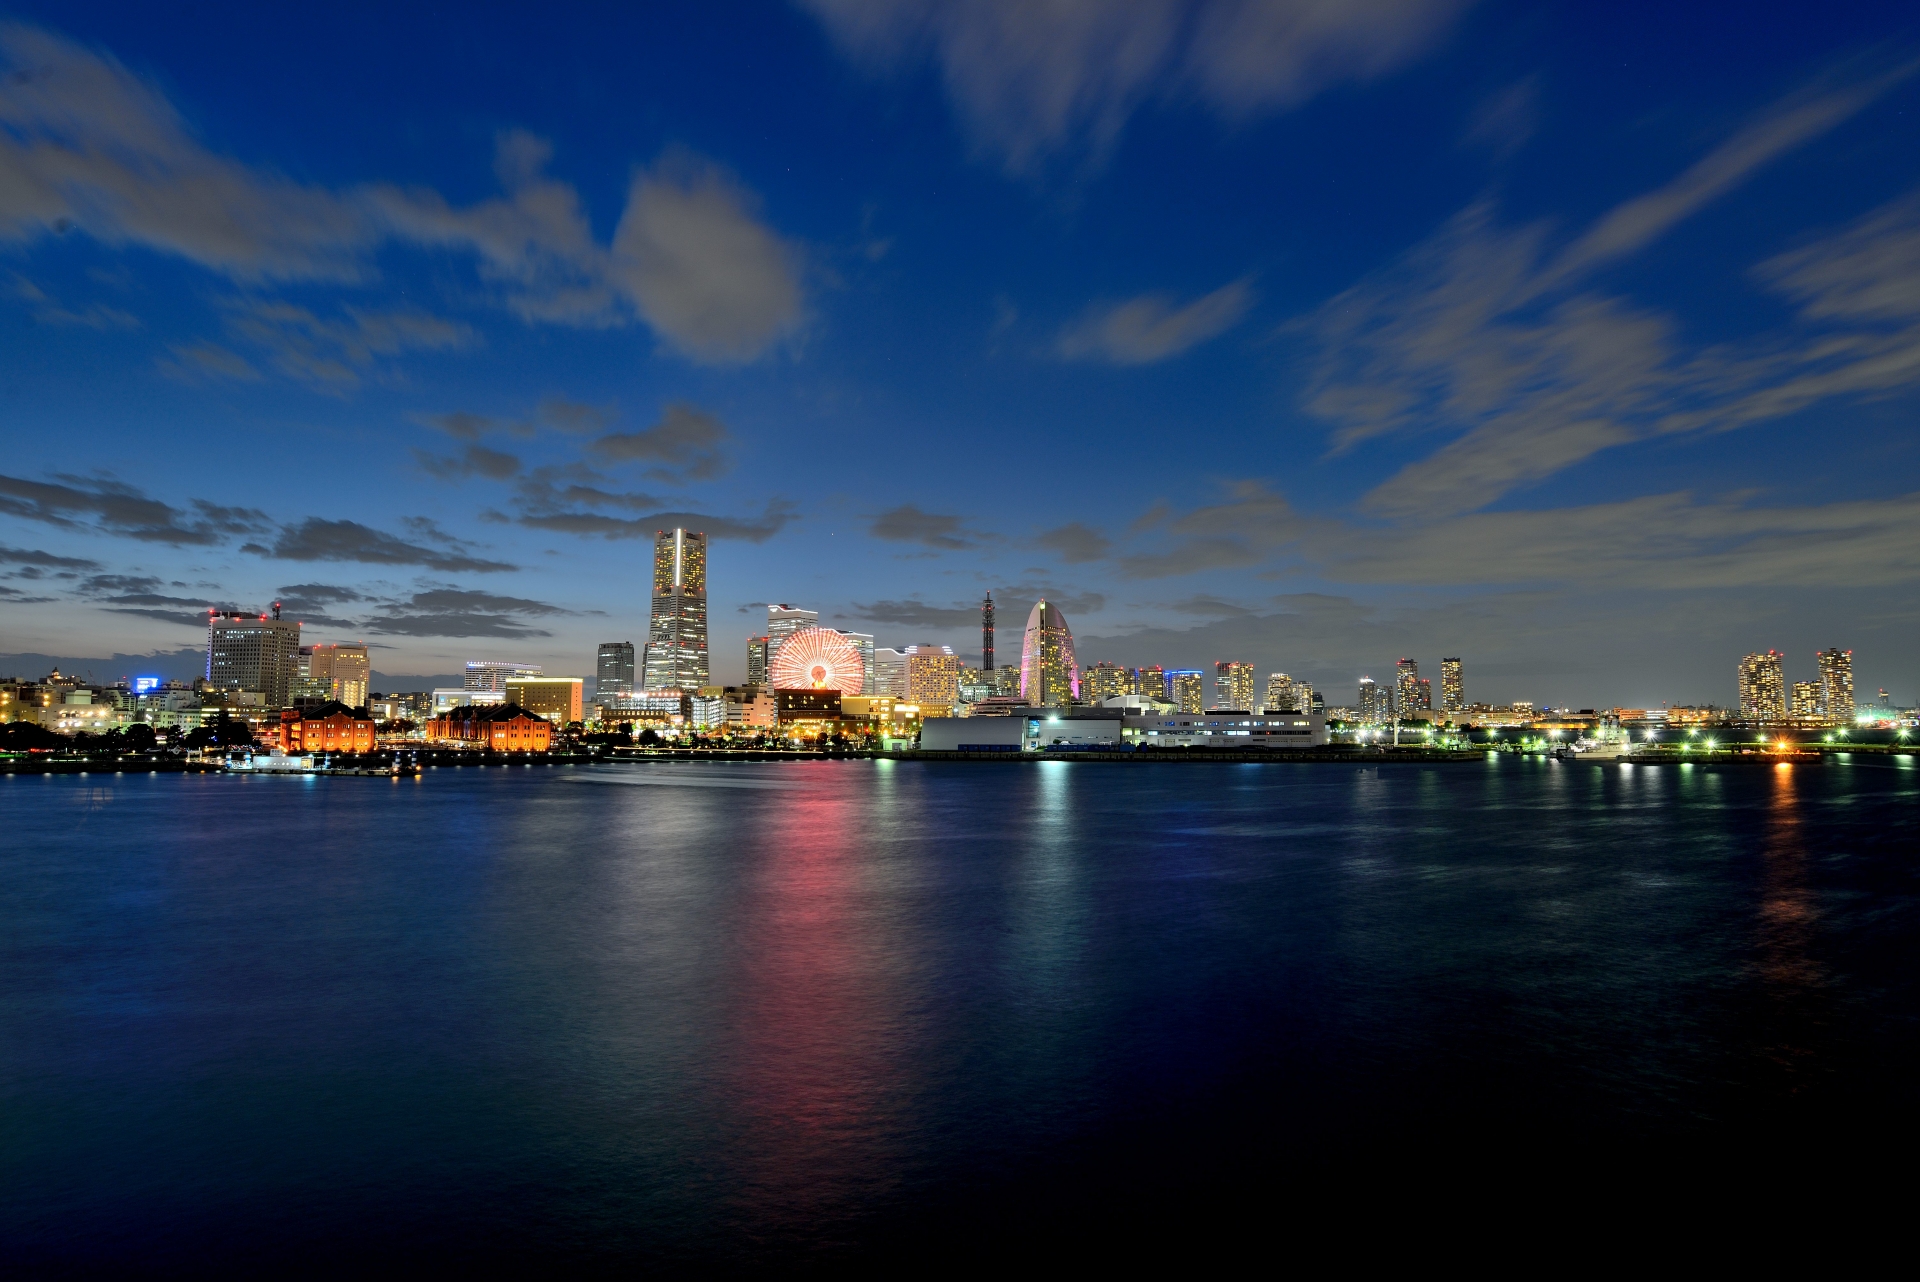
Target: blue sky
{"x": 1580, "y": 341}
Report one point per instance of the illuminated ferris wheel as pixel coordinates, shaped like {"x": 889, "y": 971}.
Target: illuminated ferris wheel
{"x": 818, "y": 659}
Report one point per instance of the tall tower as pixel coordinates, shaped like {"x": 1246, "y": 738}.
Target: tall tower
{"x": 1763, "y": 692}
{"x": 1049, "y": 676}
{"x": 677, "y": 638}
{"x": 1836, "y": 682}
{"x": 986, "y": 634}
{"x": 1453, "y": 694}
{"x": 1233, "y": 685}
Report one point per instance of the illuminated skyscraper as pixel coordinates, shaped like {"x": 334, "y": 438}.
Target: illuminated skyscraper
{"x": 614, "y": 672}
{"x": 889, "y": 672}
{"x": 863, "y": 643}
{"x": 1763, "y": 690}
{"x": 1836, "y": 685}
{"x": 756, "y": 661}
{"x": 1104, "y": 680}
{"x": 677, "y": 640}
{"x": 1305, "y": 700}
{"x": 1151, "y": 681}
{"x": 933, "y": 675}
{"x": 1453, "y": 693}
{"x": 1187, "y": 688}
{"x": 1807, "y": 702}
{"x": 1049, "y": 675}
{"x": 1280, "y": 696}
{"x": 1406, "y": 685}
{"x": 344, "y": 669}
{"x": 1376, "y": 703}
{"x": 1233, "y": 685}
{"x": 253, "y": 652}
{"x": 782, "y": 622}
{"x": 1424, "y": 694}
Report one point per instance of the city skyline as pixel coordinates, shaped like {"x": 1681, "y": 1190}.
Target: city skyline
{"x": 1512, "y": 337}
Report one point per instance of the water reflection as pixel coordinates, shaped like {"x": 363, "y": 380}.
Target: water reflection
{"x": 1787, "y": 919}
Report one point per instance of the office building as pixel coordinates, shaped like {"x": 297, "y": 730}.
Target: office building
{"x": 1807, "y": 703}
{"x": 1233, "y": 685}
{"x": 613, "y": 671}
{"x": 976, "y": 685}
{"x": 493, "y": 674}
{"x": 756, "y": 661}
{"x": 862, "y": 643}
{"x": 1280, "y": 696}
{"x": 555, "y": 698}
{"x": 1763, "y": 692}
{"x": 1105, "y": 680}
{"x": 1049, "y": 674}
{"x": 676, "y": 657}
{"x": 251, "y": 652}
{"x": 1186, "y": 689}
{"x": 1836, "y": 685}
{"x": 1453, "y": 691}
{"x": 342, "y": 670}
{"x": 889, "y": 672}
{"x": 782, "y": 622}
{"x": 933, "y": 675}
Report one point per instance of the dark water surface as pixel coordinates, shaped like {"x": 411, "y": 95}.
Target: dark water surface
{"x": 726, "y": 1010}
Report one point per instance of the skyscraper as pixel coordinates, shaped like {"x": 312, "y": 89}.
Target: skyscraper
{"x": 1376, "y": 703}
{"x": 889, "y": 672}
{"x": 1233, "y": 685}
{"x": 863, "y": 643}
{"x": 933, "y": 675}
{"x": 1406, "y": 685}
{"x": 1453, "y": 693}
{"x": 677, "y": 638}
{"x": 1152, "y": 681}
{"x": 1104, "y": 680}
{"x": 986, "y": 634}
{"x": 1836, "y": 685}
{"x": 613, "y": 673}
{"x": 1049, "y": 675}
{"x": 756, "y": 661}
{"x": 782, "y": 622}
{"x": 253, "y": 652}
{"x": 1280, "y": 694}
{"x": 1763, "y": 691}
{"x": 345, "y": 670}
{"x": 493, "y": 674}
{"x": 1186, "y": 687}
{"x": 1807, "y": 702}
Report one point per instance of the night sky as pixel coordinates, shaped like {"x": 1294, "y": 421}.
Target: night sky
{"x": 1580, "y": 341}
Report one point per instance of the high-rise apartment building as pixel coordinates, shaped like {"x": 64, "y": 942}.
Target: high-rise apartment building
{"x": 1376, "y": 703}
{"x": 757, "y": 661}
{"x": 345, "y": 670}
{"x": 676, "y": 656}
{"x": 1453, "y": 691}
{"x": 1836, "y": 686}
{"x": 493, "y": 674}
{"x": 1105, "y": 680}
{"x": 253, "y": 652}
{"x": 1151, "y": 682}
{"x": 1187, "y": 688}
{"x": 1279, "y": 694}
{"x": 614, "y": 672}
{"x": 933, "y": 675}
{"x": 1049, "y": 674}
{"x": 1305, "y": 700}
{"x": 1806, "y": 703}
{"x": 1233, "y": 685}
{"x": 1763, "y": 690}
{"x": 1424, "y": 693}
{"x": 1406, "y": 685}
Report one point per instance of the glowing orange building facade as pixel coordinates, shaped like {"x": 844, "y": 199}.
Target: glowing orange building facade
{"x": 502, "y": 727}
{"x": 331, "y": 727}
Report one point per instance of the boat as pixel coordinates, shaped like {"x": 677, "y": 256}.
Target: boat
{"x": 281, "y": 762}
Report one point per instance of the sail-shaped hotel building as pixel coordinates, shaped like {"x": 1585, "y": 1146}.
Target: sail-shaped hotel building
{"x": 1049, "y": 676}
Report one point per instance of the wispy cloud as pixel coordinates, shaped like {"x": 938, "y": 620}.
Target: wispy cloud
{"x": 111, "y": 506}
{"x": 315, "y": 539}
{"x": 1152, "y": 327}
{"x": 687, "y": 444}
{"x": 89, "y": 146}
{"x": 908, "y": 524}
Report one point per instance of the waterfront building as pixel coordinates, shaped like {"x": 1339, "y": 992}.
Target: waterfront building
{"x": 818, "y": 659}
{"x": 1453, "y": 692}
{"x": 493, "y": 674}
{"x": 1151, "y": 681}
{"x": 501, "y": 727}
{"x": 813, "y": 707}
{"x": 1807, "y": 703}
{"x": 1836, "y": 685}
{"x": 1049, "y": 674}
{"x": 342, "y": 671}
{"x": 330, "y": 727}
{"x": 676, "y": 655}
{"x": 756, "y": 661}
{"x": 253, "y": 652}
{"x": 613, "y": 670}
{"x": 1375, "y": 703}
{"x": 1186, "y": 689}
{"x": 1280, "y": 697}
{"x": 889, "y": 672}
{"x": 862, "y": 643}
{"x": 933, "y": 675}
{"x": 1104, "y": 680}
{"x": 1406, "y": 686}
{"x": 1233, "y": 685}
{"x": 555, "y": 698}
{"x": 1763, "y": 692}
{"x": 782, "y": 622}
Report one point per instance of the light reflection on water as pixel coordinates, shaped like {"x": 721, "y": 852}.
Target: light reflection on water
{"x": 705, "y": 1008}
